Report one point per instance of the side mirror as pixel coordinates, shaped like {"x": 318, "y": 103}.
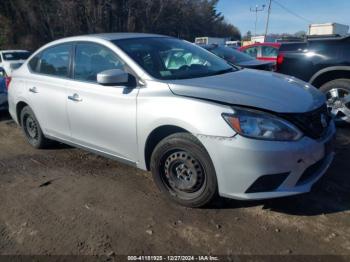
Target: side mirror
{"x": 113, "y": 77}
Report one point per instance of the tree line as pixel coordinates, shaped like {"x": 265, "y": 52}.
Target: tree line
{"x": 30, "y": 24}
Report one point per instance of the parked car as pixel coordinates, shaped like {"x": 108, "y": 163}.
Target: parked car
{"x": 202, "y": 126}
{"x": 3, "y": 90}
{"x": 236, "y": 57}
{"x": 324, "y": 63}
{"x": 270, "y": 51}
{"x": 12, "y": 59}
{"x": 262, "y": 51}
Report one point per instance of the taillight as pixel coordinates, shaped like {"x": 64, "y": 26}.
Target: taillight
{"x": 7, "y": 81}
{"x": 280, "y": 59}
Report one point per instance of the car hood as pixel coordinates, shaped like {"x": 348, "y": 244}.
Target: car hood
{"x": 253, "y": 88}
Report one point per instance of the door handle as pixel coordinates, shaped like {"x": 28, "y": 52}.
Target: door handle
{"x": 33, "y": 90}
{"x": 75, "y": 97}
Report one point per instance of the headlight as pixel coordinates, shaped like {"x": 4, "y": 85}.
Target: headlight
{"x": 261, "y": 125}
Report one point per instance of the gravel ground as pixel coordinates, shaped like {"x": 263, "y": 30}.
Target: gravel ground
{"x": 67, "y": 201}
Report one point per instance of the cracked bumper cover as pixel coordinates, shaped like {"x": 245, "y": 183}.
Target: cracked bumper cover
{"x": 240, "y": 161}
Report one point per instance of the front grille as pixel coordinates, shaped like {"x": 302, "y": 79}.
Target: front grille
{"x": 314, "y": 124}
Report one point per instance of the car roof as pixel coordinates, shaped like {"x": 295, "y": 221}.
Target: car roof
{"x": 327, "y": 37}
{"x": 293, "y": 43}
{"x": 99, "y": 37}
{"x": 115, "y": 36}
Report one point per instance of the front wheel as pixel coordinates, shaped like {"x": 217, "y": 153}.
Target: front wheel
{"x": 183, "y": 170}
{"x": 338, "y": 99}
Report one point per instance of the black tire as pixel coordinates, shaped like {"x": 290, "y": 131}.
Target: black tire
{"x": 339, "y": 106}
{"x": 32, "y": 130}
{"x": 183, "y": 170}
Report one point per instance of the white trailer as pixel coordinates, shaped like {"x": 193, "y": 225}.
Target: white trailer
{"x": 206, "y": 40}
{"x": 328, "y": 29}
{"x": 262, "y": 39}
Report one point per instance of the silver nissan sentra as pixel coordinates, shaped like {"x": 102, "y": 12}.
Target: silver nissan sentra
{"x": 203, "y": 127}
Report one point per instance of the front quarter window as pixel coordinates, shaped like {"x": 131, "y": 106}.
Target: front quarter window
{"x": 91, "y": 59}
{"x": 169, "y": 58}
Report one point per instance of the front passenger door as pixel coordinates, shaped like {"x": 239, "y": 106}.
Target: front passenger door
{"x": 102, "y": 118}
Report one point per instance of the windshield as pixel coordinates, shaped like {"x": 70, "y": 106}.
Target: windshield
{"x": 169, "y": 58}
{"x": 12, "y": 56}
{"x": 231, "y": 55}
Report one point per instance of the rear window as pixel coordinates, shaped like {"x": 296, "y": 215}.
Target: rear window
{"x": 12, "y": 56}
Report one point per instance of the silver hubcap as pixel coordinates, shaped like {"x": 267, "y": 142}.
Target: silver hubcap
{"x": 338, "y": 101}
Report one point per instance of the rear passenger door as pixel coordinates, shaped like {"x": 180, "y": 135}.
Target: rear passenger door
{"x": 102, "y": 118}
{"x": 47, "y": 89}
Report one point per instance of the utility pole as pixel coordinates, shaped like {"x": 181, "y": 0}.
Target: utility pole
{"x": 268, "y": 18}
{"x": 256, "y": 10}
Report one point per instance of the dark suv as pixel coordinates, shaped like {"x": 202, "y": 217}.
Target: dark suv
{"x": 325, "y": 63}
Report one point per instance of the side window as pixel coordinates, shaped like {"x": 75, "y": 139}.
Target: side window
{"x": 269, "y": 51}
{"x": 252, "y": 51}
{"x": 55, "y": 61}
{"x": 0, "y": 58}
{"x": 91, "y": 59}
{"x": 34, "y": 63}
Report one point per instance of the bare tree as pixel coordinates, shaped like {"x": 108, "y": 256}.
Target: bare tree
{"x": 29, "y": 24}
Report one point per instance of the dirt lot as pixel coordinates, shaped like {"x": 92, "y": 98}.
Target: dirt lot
{"x": 67, "y": 201}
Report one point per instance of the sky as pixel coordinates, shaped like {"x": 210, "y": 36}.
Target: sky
{"x": 238, "y": 13}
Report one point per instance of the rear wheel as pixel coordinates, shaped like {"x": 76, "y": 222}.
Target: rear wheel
{"x": 183, "y": 170}
{"x": 338, "y": 99}
{"x": 32, "y": 130}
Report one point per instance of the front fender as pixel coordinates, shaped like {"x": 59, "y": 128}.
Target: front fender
{"x": 199, "y": 117}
